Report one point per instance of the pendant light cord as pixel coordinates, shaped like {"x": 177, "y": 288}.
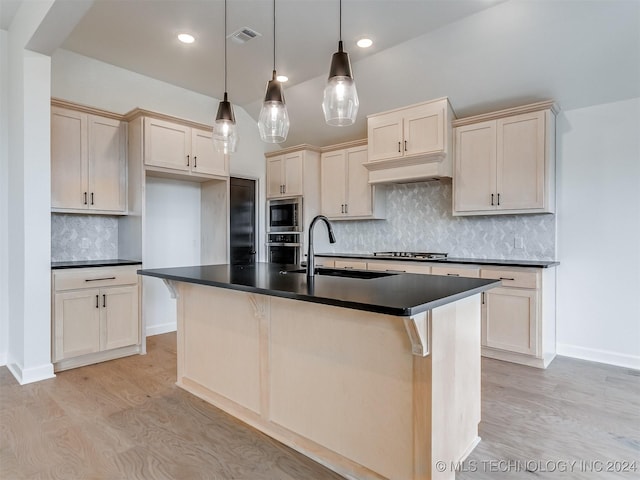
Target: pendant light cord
{"x": 274, "y": 35}
{"x": 225, "y": 46}
{"x": 340, "y": 20}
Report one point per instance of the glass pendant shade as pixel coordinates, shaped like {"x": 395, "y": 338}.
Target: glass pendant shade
{"x": 273, "y": 122}
{"x": 225, "y": 134}
{"x": 340, "y": 103}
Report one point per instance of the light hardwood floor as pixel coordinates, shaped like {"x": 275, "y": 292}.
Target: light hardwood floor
{"x": 125, "y": 419}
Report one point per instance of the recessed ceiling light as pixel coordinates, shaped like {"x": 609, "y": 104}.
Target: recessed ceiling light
{"x": 364, "y": 42}
{"x": 186, "y": 38}
{"x": 282, "y": 78}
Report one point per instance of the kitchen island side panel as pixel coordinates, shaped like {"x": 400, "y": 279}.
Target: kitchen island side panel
{"x": 339, "y": 385}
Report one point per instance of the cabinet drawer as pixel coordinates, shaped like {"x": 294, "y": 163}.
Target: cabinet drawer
{"x": 470, "y": 272}
{"x": 77, "y": 278}
{"x": 350, "y": 264}
{"x": 399, "y": 267}
{"x": 512, "y": 278}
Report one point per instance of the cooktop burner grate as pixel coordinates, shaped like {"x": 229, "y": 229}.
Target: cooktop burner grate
{"x": 425, "y": 255}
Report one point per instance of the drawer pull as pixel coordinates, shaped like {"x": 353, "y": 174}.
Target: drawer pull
{"x": 453, "y": 274}
{"x": 395, "y": 271}
{"x": 104, "y": 301}
{"x": 97, "y": 302}
{"x": 98, "y": 279}
{"x": 507, "y": 278}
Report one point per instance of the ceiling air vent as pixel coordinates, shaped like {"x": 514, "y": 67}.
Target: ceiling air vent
{"x": 244, "y": 34}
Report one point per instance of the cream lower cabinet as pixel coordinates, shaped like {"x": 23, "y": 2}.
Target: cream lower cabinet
{"x": 518, "y": 319}
{"x": 96, "y": 315}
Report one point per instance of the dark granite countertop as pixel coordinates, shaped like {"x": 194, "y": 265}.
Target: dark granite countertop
{"x": 114, "y": 262}
{"x": 471, "y": 261}
{"x": 392, "y": 294}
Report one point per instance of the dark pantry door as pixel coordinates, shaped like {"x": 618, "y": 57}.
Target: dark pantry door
{"x": 243, "y": 220}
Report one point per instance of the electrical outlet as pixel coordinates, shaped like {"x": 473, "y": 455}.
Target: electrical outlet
{"x": 518, "y": 242}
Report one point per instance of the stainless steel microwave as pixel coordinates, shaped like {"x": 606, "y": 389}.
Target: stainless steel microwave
{"x": 285, "y": 215}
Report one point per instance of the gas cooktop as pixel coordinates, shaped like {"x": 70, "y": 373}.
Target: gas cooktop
{"x": 421, "y": 255}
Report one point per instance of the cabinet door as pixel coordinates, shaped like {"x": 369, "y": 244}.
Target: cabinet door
{"x": 76, "y": 323}
{"x": 475, "y": 167}
{"x": 521, "y": 161}
{"x": 167, "y": 144}
{"x": 384, "y": 133}
{"x": 69, "y": 175}
{"x": 332, "y": 184}
{"x": 275, "y": 181}
{"x": 119, "y": 311}
{"x": 206, "y": 159}
{"x": 423, "y": 130}
{"x": 107, "y": 164}
{"x": 293, "y": 174}
{"x": 510, "y": 321}
{"x": 359, "y": 192}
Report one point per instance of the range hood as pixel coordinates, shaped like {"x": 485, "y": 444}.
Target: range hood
{"x": 411, "y": 144}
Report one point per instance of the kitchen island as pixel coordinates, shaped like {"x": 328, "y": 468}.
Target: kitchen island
{"x": 374, "y": 377}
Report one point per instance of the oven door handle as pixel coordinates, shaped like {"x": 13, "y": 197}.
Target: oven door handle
{"x": 274, "y": 244}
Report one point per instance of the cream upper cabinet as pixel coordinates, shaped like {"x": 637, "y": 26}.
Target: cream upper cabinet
{"x": 88, "y": 162}
{"x": 206, "y": 159}
{"x": 506, "y": 164}
{"x": 167, "y": 144}
{"x": 411, "y": 143}
{"x": 284, "y": 175}
{"x": 345, "y": 191}
{"x": 174, "y": 147}
{"x": 412, "y": 131}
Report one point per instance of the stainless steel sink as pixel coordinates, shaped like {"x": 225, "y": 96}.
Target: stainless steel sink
{"x": 339, "y": 272}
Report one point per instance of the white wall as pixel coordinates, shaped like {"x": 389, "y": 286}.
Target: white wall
{"x": 4, "y": 197}
{"x": 91, "y": 82}
{"x": 29, "y": 200}
{"x": 599, "y": 233}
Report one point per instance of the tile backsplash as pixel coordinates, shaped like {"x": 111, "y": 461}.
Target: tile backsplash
{"x": 83, "y": 237}
{"x": 419, "y": 219}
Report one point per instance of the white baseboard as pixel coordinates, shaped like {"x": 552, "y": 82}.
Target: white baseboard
{"x": 601, "y": 356}
{"x": 30, "y": 375}
{"x": 160, "y": 329}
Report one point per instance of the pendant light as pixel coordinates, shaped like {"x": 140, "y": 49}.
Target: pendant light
{"x": 225, "y": 135}
{"x": 340, "y": 103}
{"x": 273, "y": 123}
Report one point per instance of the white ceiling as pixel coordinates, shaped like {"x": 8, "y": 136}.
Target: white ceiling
{"x": 482, "y": 54}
